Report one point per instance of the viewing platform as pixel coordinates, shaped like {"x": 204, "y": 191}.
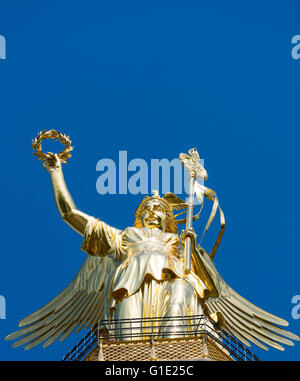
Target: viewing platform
{"x": 159, "y": 339}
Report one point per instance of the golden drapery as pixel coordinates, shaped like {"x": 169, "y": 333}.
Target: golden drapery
{"x": 150, "y": 280}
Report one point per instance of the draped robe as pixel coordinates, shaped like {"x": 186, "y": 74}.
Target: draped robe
{"x": 150, "y": 280}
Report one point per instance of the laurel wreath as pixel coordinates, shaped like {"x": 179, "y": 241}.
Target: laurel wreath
{"x": 49, "y": 157}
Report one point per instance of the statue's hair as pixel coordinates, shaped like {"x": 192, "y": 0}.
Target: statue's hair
{"x": 171, "y": 224}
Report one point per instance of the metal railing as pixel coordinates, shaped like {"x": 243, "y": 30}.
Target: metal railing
{"x": 149, "y": 329}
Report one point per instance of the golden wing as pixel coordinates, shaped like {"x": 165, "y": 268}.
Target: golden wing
{"x": 243, "y": 319}
{"x": 175, "y": 202}
{"x": 81, "y": 303}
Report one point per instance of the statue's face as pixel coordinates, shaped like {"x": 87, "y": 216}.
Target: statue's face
{"x": 154, "y": 215}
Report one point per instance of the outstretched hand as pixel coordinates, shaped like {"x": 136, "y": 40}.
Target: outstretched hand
{"x": 53, "y": 162}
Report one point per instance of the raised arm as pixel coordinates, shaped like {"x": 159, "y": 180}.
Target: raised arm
{"x": 64, "y": 202}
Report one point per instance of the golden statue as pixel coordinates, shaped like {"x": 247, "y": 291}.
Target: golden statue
{"x": 146, "y": 270}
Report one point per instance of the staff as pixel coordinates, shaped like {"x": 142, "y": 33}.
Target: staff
{"x": 195, "y": 170}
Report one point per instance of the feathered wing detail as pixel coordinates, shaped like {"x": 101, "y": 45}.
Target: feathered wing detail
{"x": 244, "y": 320}
{"x": 175, "y": 202}
{"x": 80, "y": 304}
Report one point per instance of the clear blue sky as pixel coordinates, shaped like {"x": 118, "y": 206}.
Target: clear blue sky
{"x": 154, "y": 78}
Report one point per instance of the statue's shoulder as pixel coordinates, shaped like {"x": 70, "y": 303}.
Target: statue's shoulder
{"x": 131, "y": 233}
{"x": 130, "y": 229}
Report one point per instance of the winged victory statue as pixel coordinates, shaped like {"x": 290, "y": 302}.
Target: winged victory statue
{"x": 145, "y": 270}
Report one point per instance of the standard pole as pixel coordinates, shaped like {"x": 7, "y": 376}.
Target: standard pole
{"x": 189, "y": 221}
